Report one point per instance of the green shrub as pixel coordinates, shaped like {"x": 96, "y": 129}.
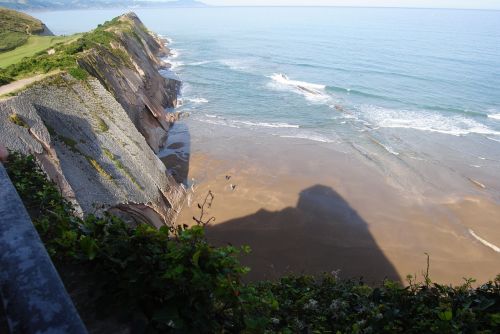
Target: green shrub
{"x": 78, "y": 73}
{"x": 9, "y": 40}
{"x": 4, "y": 78}
{"x": 178, "y": 283}
{"x": 16, "y": 119}
{"x": 103, "y": 127}
{"x": 173, "y": 277}
{"x": 65, "y": 56}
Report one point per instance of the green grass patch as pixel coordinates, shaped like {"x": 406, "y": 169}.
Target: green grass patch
{"x": 32, "y": 58}
{"x": 119, "y": 165}
{"x": 103, "y": 127}
{"x": 99, "y": 168}
{"x": 78, "y": 73}
{"x": 15, "y": 28}
{"x": 9, "y": 40}
{"x": 35, "y": 45}
{"x": 16, "y": 119}
{"x": 71, "y": 143}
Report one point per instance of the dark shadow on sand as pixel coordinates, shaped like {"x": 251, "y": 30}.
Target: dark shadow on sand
{"x": 177, "y": 152}
{"x": 322, "y": 234}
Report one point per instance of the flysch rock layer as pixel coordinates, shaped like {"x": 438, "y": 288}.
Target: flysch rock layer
{"x": 88, "y": 145}
{"x": 135, "y": 81}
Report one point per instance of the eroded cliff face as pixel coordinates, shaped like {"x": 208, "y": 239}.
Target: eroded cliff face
{"x": 130, "y": 72}
{"x": 97, "y": 137}
{"x": 88, "y": 145}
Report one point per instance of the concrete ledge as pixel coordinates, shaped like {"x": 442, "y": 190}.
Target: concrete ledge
{"x": 31, "y": 291}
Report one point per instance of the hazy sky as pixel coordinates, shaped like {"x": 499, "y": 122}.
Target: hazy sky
{"x": 482, "y": 4}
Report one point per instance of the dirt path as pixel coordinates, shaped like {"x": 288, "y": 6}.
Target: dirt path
{"x": 19, "y": 84}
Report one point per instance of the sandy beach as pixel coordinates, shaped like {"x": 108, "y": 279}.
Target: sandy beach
{"x": 309, "y": 208}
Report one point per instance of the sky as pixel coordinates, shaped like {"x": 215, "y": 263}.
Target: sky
{"x": 479, "y": 4}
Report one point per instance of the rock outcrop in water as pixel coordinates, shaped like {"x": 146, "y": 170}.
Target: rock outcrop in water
{"x": 97, "y": 137}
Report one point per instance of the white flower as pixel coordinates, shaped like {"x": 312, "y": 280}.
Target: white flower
{"x": 311, "y": 304}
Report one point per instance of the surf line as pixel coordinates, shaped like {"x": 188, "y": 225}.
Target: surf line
{"x": 484, "y": 242}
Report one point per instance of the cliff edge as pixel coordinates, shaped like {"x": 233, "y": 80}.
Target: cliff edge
{"x": 95, "y": 128}
{"x": 129, "y": 70}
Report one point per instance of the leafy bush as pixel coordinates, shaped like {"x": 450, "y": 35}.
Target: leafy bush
{"x": 78, "y": 73}
{"x": 40, "y": 64}
{"x": 4, "y": 78}
{"x": 9, "y": 40}
{"x": 178, "y": 283}
{"x": 172, "y": 277}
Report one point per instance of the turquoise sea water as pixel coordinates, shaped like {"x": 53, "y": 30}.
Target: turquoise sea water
{"x": 420, "y": 83}
{"x": 435, "y": 70}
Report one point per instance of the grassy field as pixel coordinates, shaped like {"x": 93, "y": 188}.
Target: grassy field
{"x": 34, "y": 45}
{"x": 16, "y": 27}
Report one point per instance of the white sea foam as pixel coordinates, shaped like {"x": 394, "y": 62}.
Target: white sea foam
{"x": 312, "y": 92}
{"x": 494, "y": 116}
{"x": 174, "y": 53}
{"x": 167, "y": 39}
{"x": 282, "y": 78}
{"x": 175, "y": 64}
{"x": 241, "y": 65}
{"x": 197, "y": 100}
{"x": 200, "y": 63}
{"x": 494, "y": 139}
{"x": 389, "y": 149}
{"x": 484, "y": 242}
{"x": 219, "y": 121}
{"x": 267, "y": 125}
{"x": 424, "y": 121}
{"x": 312, "y": 137}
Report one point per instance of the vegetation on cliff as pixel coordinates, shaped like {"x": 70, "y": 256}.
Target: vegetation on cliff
{"x": 35, "y": 58}
{"x": 16, "y": 27}
{"x": 173, "y": 280}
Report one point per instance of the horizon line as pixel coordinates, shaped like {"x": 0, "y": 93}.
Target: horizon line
{"x": 262, "y": 6}
{"x": 338, "y": 6}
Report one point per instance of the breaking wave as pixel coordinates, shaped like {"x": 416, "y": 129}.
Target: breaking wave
{"x": 312, "y": 92}
{"x": 424, "y": 121}
{"x": 215, "y": 119}
{"x": 311, "y": 137}
{"x": 200, "y": 63}
{"x": 197, "y": 100}
{"x": 484, "y": 242}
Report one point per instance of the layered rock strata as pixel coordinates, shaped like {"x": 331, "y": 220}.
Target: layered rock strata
{"x": 96, "y": 138}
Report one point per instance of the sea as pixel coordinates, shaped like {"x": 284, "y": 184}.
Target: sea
{"x": 389, "y": 84}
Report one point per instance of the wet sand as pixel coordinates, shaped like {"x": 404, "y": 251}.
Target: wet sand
{"x": 308, "y": 207}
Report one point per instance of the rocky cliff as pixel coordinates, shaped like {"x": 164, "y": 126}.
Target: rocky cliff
{"x": 96, "y": 136}
{"x": 129, "y": 70}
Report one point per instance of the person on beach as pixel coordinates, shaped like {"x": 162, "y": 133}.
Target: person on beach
{"x": 3, "y": 153}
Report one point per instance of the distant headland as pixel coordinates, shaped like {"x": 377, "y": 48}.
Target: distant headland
{"x": 88, "y": 4}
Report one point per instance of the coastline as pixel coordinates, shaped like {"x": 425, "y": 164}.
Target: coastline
{"x": 316, "y": 177}
{"x": 307, "y": 207}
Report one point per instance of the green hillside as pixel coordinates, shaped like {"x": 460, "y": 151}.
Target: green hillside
{"x": 16, "y": 27}
{"x": 34, "y": 45}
